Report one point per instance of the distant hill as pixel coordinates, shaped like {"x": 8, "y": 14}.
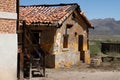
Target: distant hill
{"x": 108, "y": 27}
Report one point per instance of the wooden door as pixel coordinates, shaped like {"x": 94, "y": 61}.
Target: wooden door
{"x": 80, "y": 46}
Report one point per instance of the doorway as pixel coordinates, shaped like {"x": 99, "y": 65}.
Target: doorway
{"x": 37, "y": 37}
{"x": 80, "y": 47}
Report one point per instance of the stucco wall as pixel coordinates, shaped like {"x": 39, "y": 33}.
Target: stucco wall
{"x": 8, "y": 57}
{"x": 72, "y": 39}
{"x": 65, "y": 57}
{"x": 8, "y": 40}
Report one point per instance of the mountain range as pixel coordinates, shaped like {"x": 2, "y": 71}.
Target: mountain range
{"x": 108, "y": 27}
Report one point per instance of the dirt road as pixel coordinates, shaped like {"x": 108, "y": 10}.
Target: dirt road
{"x": 76, "y": 75}
{"x": 84, "y": 76}
{"x": 81, "y": 72}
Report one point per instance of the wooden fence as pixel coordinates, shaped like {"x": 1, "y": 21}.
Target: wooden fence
{"x": 110, "y": 47}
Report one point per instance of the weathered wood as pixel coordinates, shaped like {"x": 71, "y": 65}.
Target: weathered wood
{"x": 110, "y": 47}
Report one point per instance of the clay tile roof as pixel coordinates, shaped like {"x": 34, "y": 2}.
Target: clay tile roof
{"x": 45, "y": 14}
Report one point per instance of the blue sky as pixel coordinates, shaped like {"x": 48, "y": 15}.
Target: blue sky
{"x": 93, "y": 9}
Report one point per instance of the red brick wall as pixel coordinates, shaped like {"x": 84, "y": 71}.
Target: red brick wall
{"x": 7, "y": 25}
{"x": 8, "y": 5}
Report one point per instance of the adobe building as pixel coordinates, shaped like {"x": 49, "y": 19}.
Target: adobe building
{"x": 62, "y": 30}
{"x": 8, "y": 40}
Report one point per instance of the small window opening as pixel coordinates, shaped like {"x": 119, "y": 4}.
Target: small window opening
{"x": 65, "y": 41}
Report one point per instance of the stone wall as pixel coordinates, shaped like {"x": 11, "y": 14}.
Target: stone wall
{"x": 62, "y": 60}
{"x": 65, "y": 57}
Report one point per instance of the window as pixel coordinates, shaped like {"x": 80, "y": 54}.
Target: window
{"x": 65, "y": 41}
{"x": 65, "y": 36}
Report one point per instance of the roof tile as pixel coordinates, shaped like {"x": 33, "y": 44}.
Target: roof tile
{"x": 43, "y": 14}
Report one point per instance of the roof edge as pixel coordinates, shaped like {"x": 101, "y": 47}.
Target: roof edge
{"x": 67, "y": 15}
{"x": 50, "y": 5}
{"x": 86, "y": 20}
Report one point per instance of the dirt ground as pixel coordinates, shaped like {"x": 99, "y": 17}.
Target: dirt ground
{"x": 83, "y": 72}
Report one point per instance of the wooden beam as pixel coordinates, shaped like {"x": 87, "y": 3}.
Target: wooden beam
{"x": 37, "y": 27}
